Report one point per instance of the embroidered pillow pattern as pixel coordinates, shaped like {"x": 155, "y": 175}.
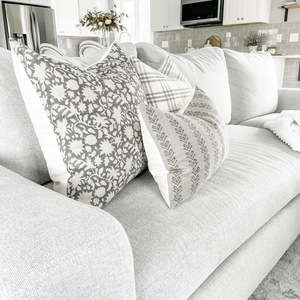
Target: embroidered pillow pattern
{"x": 166, "y": 88}
{"x": 94, "y": 145}
{"x": 183, "y": 151}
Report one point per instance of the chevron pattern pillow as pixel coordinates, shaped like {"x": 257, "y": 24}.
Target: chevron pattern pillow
{"x": 183, "y": 151}
{"x": 166, "y": 88}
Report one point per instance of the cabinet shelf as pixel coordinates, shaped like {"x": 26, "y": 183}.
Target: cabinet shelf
{"x": 287, "y": 7}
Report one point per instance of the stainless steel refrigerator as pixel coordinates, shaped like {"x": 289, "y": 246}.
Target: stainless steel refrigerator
{"x": 28, "y": 24}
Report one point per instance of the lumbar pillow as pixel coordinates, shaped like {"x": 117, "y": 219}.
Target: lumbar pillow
{"x": 87, "y": 124}
{"x": 166, "y": 88}
{"x": 183, "y": 151}
{"x": 253, "y": 84}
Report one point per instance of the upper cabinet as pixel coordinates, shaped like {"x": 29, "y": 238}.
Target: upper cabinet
{"x": 238, "y": 12}
{"x": 66, "y": 17}
{"x": 165, "y": 15}
{"x": 68, "y": 13}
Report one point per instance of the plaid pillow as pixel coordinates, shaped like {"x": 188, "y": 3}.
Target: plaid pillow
{"x": 166, "y": 88}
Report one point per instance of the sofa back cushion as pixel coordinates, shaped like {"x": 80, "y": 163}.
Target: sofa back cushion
{"x": 253, "y": 85}
{"x": 205, "y": 68}
{"x": 20, "y": 150}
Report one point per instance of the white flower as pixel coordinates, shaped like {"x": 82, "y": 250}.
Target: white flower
{"x": 72, "y": 85}
{"x": 58, "y": 92}
{"x": 40, "y": 71}
{"x": 89, "y": 94}
{"x": 107, "y": 22}
{"x": 100, "y": 24}
{"x": 106, "y": 147}
{"x": 76, "y": 147}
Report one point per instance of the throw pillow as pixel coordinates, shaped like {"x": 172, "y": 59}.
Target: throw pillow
{"x": 166, "y": 88}
{"x": 205, "y": 68}
{"x": 183, "y": 151}
{"x": 253, "y": 84}
{"x": 87, "y": 124}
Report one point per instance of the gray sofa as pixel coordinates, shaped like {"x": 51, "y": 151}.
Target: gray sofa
{"x": 218, "y": 245}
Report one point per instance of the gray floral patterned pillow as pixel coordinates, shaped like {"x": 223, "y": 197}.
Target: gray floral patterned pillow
{"x": 183, "y": 151}
{"x": 87, "y": 123}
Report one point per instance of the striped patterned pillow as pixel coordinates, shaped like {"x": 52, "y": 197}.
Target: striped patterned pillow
{"x": 166, "y": 88}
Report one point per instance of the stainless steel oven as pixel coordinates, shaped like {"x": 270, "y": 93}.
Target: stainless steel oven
{"x": 201, "y": 12}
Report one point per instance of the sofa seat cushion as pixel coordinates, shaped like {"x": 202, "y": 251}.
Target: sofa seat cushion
{"x": 175, "y": 251}
{"x": 259, "y": 121}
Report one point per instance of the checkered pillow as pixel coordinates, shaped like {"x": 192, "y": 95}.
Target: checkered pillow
{"x": 166, "y": 88}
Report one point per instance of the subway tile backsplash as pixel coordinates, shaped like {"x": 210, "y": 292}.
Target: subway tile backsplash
{"x": 178, "y": 41}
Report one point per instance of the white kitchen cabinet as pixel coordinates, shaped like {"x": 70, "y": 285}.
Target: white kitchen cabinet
{"x": 66, "y": 16}
{"x": 68, "y": 13}
{"x": 165, "y": 15}
{"x": 238, "y": 12}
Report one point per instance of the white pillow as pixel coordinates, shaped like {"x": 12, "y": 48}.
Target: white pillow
{"x": 253, "y": 84}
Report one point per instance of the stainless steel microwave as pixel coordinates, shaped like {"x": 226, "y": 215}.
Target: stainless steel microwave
{"x": 201, "y": 12}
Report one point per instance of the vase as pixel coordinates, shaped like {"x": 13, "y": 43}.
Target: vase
{"x": 252, "y": 48}
{"x": 103, "y": 37}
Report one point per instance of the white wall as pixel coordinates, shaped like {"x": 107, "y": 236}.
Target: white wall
{"x": 277, "y": 15}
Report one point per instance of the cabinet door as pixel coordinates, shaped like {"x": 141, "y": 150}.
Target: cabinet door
{"x": 232, "y": 11}
{"x": 67, "y": 17}
{"x": 174, "y": 15}
{"x": 83, "y": 6}
{"x": 159, "y": 14}
{"x": 165, "y": 15}
{"x": 246, "y": 11}
{"x": 256, "y": 11}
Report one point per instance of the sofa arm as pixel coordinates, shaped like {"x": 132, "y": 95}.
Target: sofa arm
{"x": 52, "y": 247}
{"x": 288, "y": 99}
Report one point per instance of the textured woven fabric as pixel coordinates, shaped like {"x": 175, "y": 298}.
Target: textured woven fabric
{"x": 54, "y": 248}
{"x": 287, "y": 128}
{"x": 205, "y": 68}
{"x": 238, "y": 276}
{"x": 166, "y": 88}
{"x": 260, "y": 121}
{"x": 183, "y": 151}
{"x": 175, "y": 251}
{"x": 19, "y": 150}
{"x": 87, "y": 123}
{"x": 253, "y": 85}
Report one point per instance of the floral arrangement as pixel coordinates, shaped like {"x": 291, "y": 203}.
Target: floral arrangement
{"x": 256, "y": 39}
{"x": 105, "y": 21}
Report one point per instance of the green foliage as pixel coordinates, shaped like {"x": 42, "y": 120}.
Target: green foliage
{"x": 256, "y": 39}
{"x": 100, "y": 20}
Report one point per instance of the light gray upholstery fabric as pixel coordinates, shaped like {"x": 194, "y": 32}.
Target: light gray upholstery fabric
{"x": 52, "y": 247}
{"x": 259, "y": 121}
{"x": 205, "y": 68}
{"x": 253, "y": 85}
{"x": 175, "y": 251}
{"x": 20, "y": 150}
{"x": 288, "y": 99}
{"x": 239, "y": 275}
